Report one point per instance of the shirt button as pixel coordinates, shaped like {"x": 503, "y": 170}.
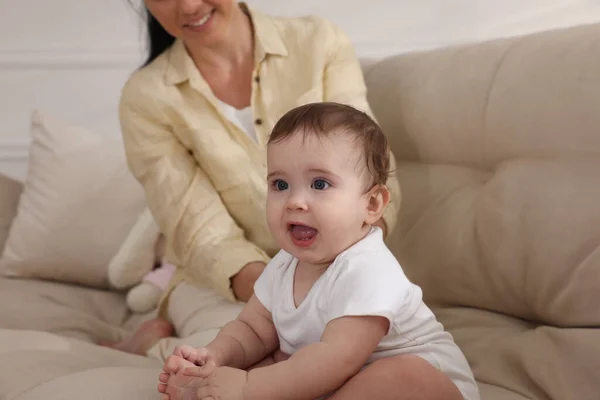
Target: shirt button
{"x": 257, "y": 79}
{"x": 258, "y": 121}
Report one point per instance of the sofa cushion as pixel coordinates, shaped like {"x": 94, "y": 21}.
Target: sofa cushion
{"x": 40, "y": 365}
{"x": 68, "y": 310}
{"x": 523, "y": 359}
{"x": 10, "y": 192}
{"x": 78, "y": 204}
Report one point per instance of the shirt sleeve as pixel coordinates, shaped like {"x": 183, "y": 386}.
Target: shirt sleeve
{"x": 361, "y": 288}
{"x": 344, "y": 83}
{"x": 202, "y": 237}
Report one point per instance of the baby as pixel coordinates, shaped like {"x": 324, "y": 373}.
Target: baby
{"x": 334, "y": 299}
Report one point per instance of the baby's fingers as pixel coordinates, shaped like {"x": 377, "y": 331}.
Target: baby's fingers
{"x": 185, "y": 351}
{"x": 202, "y": 356}
{"x": 199, "y": 372}
{"x": 172, "y": 365}
{"x": 189, "y": 352}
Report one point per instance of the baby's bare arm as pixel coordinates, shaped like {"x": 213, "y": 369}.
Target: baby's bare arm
{"x": 323, "y": 367}
{"x": 247, "y": 339}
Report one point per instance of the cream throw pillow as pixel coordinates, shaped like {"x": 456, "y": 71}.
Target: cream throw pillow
{"x": 78, "y": 205}
{"x": 10, "y": 191}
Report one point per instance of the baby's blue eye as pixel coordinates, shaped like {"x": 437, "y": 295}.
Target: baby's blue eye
{"x": 320, "y": 184}
{"x": 280, "y": 185}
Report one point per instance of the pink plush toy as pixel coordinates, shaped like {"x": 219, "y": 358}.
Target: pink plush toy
{"x": 145, "y": 296}
{"x": 139, "y": 265}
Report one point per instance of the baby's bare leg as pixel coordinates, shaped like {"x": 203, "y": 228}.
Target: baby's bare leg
{"x": 399, "y": 378}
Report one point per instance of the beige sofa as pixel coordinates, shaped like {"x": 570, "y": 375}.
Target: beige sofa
{"x": 498, "y": 148}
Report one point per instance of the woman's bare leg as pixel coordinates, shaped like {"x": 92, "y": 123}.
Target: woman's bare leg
{"x": 147, "y": 335}
{"x": 197, "y": 315}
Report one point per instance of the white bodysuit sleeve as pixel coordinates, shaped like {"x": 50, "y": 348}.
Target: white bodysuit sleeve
{"x": 364, "y": 286}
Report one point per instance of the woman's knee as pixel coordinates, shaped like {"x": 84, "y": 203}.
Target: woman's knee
{"x": 193, "y": 310}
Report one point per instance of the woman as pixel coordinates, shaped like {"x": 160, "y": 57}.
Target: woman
{"x": 195, "y": 121}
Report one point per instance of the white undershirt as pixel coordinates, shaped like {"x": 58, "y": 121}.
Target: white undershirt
{"x": 243, "y": 118}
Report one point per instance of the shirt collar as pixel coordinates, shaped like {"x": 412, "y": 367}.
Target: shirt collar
{"x": 266, "y": 34}
{"x": 268, "y": 41}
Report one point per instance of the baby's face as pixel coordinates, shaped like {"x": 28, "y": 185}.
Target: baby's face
{"x": 316, "y": 206}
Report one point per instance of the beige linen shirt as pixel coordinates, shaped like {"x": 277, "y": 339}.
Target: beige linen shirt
{"x": 205, "y": 179}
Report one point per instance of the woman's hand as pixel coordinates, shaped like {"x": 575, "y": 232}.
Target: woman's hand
{"x": 243, "y": 282}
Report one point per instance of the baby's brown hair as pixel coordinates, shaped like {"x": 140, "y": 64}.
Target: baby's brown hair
{"x": 327, "y": 118}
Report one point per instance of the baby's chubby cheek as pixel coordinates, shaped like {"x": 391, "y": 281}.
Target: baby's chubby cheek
{"x": 337, "y": 234}
{"x": 343, "y": 228}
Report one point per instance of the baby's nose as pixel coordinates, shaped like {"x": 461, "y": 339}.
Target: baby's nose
{"x": 297, "y": 202}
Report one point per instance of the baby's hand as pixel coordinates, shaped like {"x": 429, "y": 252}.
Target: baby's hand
{"x": 186, "y": 356}
{"x": 174, "y": 364}
{"x": 196, "y": 356}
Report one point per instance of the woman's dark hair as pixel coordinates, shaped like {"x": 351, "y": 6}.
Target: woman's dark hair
{"x": 158, "y": 40}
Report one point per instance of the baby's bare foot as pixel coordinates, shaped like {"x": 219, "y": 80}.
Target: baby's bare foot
{"x": 182, "y": 387}
{"x": 172, "y": 366}
{"x": 144, "y": 338}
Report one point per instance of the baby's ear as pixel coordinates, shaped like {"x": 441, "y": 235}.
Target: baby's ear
{"x": 378, "y": 198}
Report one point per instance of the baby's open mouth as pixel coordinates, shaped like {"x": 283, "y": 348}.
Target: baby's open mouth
{"x": 302, "y": 232}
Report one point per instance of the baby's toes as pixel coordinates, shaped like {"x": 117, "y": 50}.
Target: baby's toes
{"x": 162, "y": 388}
{"x": 163, "y": 377}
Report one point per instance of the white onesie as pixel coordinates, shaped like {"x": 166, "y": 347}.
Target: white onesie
{"x": 366, "y": 279}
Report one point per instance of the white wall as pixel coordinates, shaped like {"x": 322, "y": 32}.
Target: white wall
{"x": 383, "y": 27}
{"x": 71, "y": 57}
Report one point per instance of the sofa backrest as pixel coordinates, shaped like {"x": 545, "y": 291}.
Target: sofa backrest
{"x": 482, "y": 104}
